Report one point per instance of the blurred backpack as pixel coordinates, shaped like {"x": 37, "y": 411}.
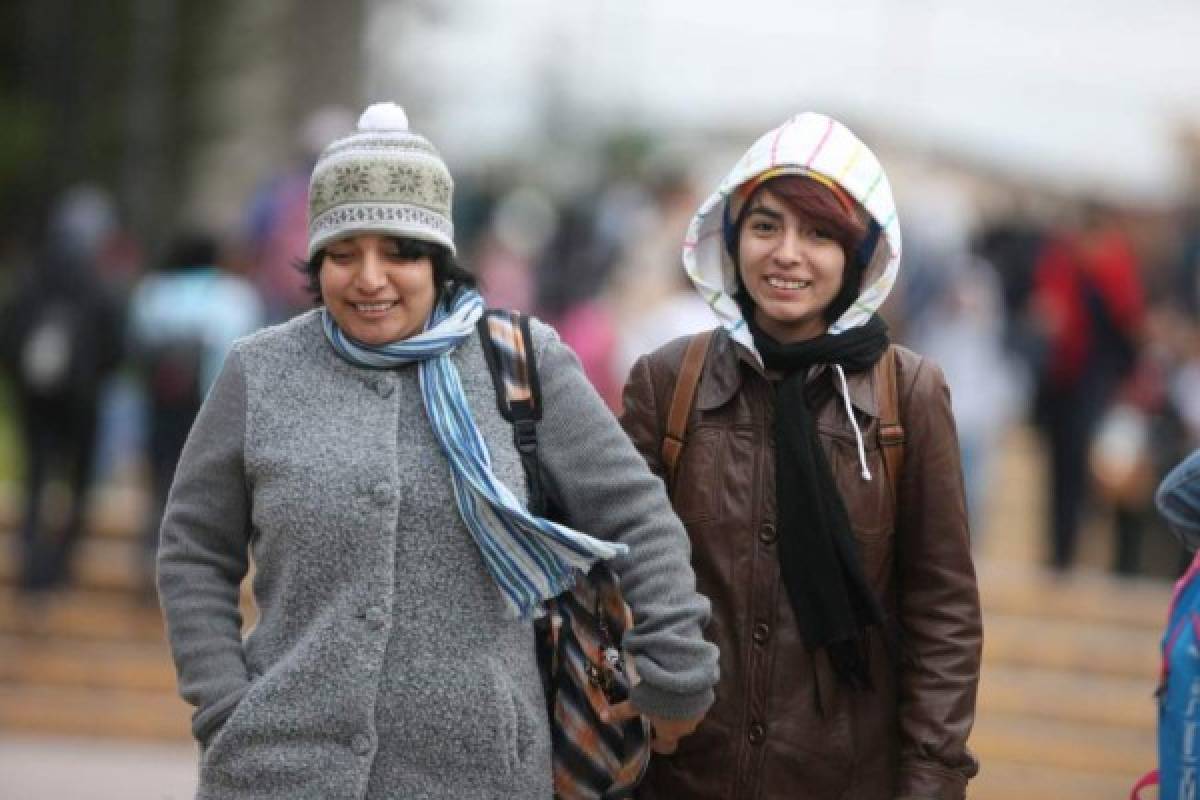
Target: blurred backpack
{"x": 60, "y": 334}
{"x": 48, "y": 352}
{"x": 172, "y": 370}
{"x": 1178, "y": 773}
{"x": 62, "y": 348}
{"x": 583, "y": 667}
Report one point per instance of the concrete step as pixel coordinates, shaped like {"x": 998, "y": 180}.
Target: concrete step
{"x": 94, "y": 712}
{"x": 1083, "y": 595}
{"x": 102, "y": 564}
{"x": 50, "y": 767}
{"x": 1120, "y": 752}
{"x": 114, "y": 510}
{"x": 1080, "y": 647}
{"x": 1004, "y": 780}
{"x": 1045, "y": 694}
{"x": 106, "y": 572}
{"x": 31, "y": 662}
{"x": 81, "y": 615}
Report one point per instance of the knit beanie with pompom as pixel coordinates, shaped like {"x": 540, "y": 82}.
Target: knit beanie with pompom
{"x": 384, "y": 179}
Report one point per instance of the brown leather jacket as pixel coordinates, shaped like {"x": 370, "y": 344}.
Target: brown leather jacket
{"x": 764, "y": 738}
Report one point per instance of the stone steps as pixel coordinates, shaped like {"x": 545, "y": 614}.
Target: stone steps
{"x": 102, "y": 565}
{"x": 54, "y": 662}
{"x": 1066, "y": 703}
{"x": 1070, "y": 645}
{"x": 1007, "y": 780}
{"x": 114, "y": 511}
{"x": 1068, "y": 696}
{"x": 1118, "y": 752}
{"x": 94, "y": 712}
{"x": 1025, "y": 590}
{"x": 91, "y": 661}
{"x": 82, "y": 615}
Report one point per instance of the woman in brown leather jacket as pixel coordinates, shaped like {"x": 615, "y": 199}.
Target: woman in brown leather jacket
{"x": 844, "y": 597}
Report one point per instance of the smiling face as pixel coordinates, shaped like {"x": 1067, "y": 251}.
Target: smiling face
{"x": 792, "y": 267}
{"x": 378, "y": 288}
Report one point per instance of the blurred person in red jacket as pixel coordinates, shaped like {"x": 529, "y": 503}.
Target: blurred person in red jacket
{"x": 1089, "y": 299}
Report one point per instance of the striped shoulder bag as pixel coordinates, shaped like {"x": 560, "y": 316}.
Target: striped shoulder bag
{"x": 583, "y": 667}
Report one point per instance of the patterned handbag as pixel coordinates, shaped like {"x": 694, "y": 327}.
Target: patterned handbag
{"x": 584, "y": 670}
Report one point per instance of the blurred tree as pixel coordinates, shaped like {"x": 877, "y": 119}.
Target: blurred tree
{"x": 268, "y": 66}
{"x": 131, "y": 94}
{"x": 97, "y": 91}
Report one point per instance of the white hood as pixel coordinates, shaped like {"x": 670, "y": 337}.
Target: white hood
{"x": 807, "y": 143}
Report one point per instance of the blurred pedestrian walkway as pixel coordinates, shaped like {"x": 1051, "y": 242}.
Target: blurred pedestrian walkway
{"x": 73, "y": 768}
{"x": 1066, "y": 705}
{"x": 1066, "y": 709}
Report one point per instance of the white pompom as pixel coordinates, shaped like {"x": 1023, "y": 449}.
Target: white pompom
{"x": 383, "y": 117}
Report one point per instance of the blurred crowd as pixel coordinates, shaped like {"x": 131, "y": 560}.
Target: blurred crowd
{"x": 1078, "y": 317}
{"x": 1071, "y": 315}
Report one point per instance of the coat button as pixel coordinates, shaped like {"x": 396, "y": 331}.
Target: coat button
{"x": 375, "y": 618}
{"x": 762, "y": 632}
{"x": 384, "y": 387}
{"x": 361, "y": 744}
{"x": 766, "y": 534}
{"x": 757, "y": 733}
{"x": 381, "y": 493}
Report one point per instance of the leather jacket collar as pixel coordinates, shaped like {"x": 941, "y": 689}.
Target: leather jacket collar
{"x": 726, "y": 369}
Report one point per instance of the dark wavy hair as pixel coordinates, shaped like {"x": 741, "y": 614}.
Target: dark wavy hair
{"x": 448, "y": 275}
{"x": 812, "y": 199}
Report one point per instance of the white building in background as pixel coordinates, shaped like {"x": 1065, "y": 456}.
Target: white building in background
{"x": 1081, "y": 93}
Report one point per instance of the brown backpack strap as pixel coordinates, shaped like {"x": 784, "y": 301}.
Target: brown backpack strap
{"x": 681, "y": 402}
{"x": 891, "y": 430}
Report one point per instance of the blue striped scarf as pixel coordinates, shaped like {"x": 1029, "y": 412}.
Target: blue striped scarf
{"x": 532, "y": 559}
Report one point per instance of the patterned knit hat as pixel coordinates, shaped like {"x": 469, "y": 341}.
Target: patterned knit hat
{"x": 382, "y": 178}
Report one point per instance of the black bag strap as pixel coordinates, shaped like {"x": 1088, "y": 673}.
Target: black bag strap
{"x": 508, "y": 347}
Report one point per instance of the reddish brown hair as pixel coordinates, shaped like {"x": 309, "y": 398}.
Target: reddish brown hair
{"x": 814, "y": 200}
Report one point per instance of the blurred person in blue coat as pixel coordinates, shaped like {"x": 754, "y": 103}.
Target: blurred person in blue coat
{"x": 277, "y": 217}
{"x": 183, "y": 320}
{"x": 1178, "y": 500}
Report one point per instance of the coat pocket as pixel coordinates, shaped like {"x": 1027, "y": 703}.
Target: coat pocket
{"x": 869, "y": 503}
{"x": 487, "y": 721}
{"x": 515, "y": 723}
{"x": 694, "y": 494}
{"x": 226, "y": 721}
{"x": 206, "y": 723}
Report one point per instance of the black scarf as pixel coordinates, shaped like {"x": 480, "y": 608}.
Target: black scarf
{"x": 818, "y": 555}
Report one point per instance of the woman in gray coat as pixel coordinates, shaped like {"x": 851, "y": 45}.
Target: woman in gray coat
{"x": 356, "y": 455}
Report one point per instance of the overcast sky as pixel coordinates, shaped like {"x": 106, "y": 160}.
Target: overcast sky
{"x": 1087, "y": 92}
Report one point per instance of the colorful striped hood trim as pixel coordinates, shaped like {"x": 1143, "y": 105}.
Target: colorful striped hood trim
{"x": 816, "y": 145}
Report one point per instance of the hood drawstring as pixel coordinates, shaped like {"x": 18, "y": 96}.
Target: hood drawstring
{"x": 862, "y": 452}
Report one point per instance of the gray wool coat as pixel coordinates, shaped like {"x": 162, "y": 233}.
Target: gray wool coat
{"x": 383, "y": 663}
